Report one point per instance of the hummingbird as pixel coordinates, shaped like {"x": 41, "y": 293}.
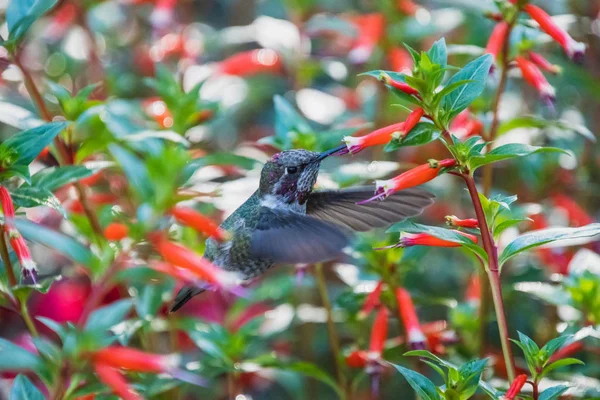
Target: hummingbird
{"x": 286, "y": 222}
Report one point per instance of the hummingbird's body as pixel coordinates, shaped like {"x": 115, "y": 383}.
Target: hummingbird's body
{"x": 284, "y": 221}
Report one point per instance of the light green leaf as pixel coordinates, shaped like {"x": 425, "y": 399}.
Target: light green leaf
{"x": 32, "y": 196}
{"x": 24, "y": 389}
{"x": 438, "y": 53}
{"x": 508, "y": 151}
{"x": 558, "y": 364}
{"x": 544, "y": 236}
{"x": 532, "y": 121}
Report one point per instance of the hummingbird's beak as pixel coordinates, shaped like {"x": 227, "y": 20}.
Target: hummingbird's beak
{"x": 333, "y": 151}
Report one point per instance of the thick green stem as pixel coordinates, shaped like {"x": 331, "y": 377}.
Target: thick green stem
{"x": 493, "y": 275}
{"x": 333, "y": 336}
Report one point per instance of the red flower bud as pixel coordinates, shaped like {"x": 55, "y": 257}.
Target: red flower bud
{"x": 453, "y": 220}
{"x": 425, "y": 239}
{"x": 574, "y": 49}
{"x": 116, "y": 231}
{"x": 375, "y": 138}
{"x": 252, "y": 62}
{"x": 192, "y": 218}
{"x": 357, "y": 359}
{"x": 371, "y": 301}
{"x": 497, "y": 38}
{"x": 8, "y": 209}
{"x": 533, "y": 76}
{"x": 544, "y": 64}
{"x": 115, "y": 380}
{"x": 379, "y": 333}
{"x": 135, "y": 360}
{"x": 414, "y": 177}
{"x": 408, "y": 315}
{"x": 515, "y": 387}
{"x": 402, "y": 86}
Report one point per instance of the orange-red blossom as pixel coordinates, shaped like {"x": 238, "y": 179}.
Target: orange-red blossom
{"x": 201, "y": 223}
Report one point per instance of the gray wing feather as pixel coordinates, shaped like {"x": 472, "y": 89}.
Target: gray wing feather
{"x": 287, "y": 237}
{"x": 339, "y": 207}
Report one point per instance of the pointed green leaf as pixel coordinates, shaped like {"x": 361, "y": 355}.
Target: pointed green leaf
{"x": 544, "y": 236}
{"x": 24, "y": 389}
{"x": 532, "y": 121}
{"x": 21, "y": 14}
{"x": 16, "y": 358}
{"x": 32, "y": 196}
{"x": 30, "y": 143}
{"x": 438, "y": 53}
{"x": 64, "y": 244}
{"x": 56, "y": 177}
{"x": 553, "y": 393}
{"x": 558, "y": 364}
{"x": 553, "y": 345}
{"x": 104, "y": 318}
{"x": 421, "y": 385}
{"x": 508, "y": 151}
{"x": 421, "y": 134}
{"x": 397, "y": 76}
{"x": 475, "y": 71}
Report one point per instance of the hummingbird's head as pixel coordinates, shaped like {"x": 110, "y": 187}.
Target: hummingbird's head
{"x": 291, "y": 175}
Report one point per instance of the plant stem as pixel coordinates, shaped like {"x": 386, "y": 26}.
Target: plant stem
{"x": 333, "y": 336}
{"x": 493, "y": 276}
{"x": 28, "y": 321}
{"x": 63, "y": 151}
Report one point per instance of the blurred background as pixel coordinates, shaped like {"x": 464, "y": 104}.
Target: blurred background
{"x": 282, "y": 74}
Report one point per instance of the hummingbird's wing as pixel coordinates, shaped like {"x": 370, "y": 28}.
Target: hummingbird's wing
{"x": 288, "y": 237}
{"x": 339, "y": 207}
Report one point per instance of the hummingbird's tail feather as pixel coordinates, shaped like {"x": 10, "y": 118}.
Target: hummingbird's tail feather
{"x": 185, "y": 294}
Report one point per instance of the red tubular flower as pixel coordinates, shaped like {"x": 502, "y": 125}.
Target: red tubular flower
{"x": 252, "y": 62}
{"x": 465, "y": 126}
{"x": 425, "y": 239}
{"x": 357, "y": 359}
{"x": 567, "y": 351}
{"x": 375, "y": 138}
{"x": 18, "y": 244}
{"x": 453, "y": 220}
{"x": 414, "y": 177}
{"x": 200, "y": 266}
{"x": 402, "y": 86}
{"x": 544, "y": 64}
{"x": 371, "y": 28}
{"x": 8, "y": 209}
{"x": 116, "y": 231}
{"x": 192, "y": 218}
{"x": 535, "y": 77}
{"x": 135, "y": 360}
{"x": 577, "y": 215}
{"x": 408, "y": 314}
{"x": 473, "y": 292}
{"x": 515, "y": 387}
{"x": 400, "y": 60}
{"x": 574, "y": 49}
{"x": 115, "y": 380}
{"x": 175, "y": 271}
{"x": 379, "y": 334}
{"x": 497, "y": 38}
{"x": 371, "y": 301}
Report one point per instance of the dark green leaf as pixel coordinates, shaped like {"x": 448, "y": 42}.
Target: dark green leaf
{"x": 56, "y": 177}
{"x": 530, "y": 350}
{"x": 421, "y": 134}
{"x": 29, "y": 144}
{"x": 21, "y": 14}
{"x": 23, "y": 388}
{"x": 135, "y": 170}
{"x": 421, "y": 385}
{"x": 104, "y": 318}
{"x": 65, "y": 245}
{"x": 544, "y": 236}
{"x": 553, "y": 392}
{"x": 475, "y": 71}
{"x": 33, "y": 196}
{"x": 508, "y": 151}
{"x": 16, "y": 358}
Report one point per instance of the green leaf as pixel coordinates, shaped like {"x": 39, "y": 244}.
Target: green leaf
{"x": 16, "y": 358}
{"x": 558, "y": 364}
{"x": 56, "y": 177}
{"x": 21, "y": 14}
{"x": 104, "y": 318}
{"x": 65, "y": 245}
{"x": 135, "y": 170}
{"x": 553, "y": 393}
{"x": 23, "y": 388}
{"x": 490, "y": 390}
{"x": 431, "y": 356}
{"x": 32, "y": 196}
{"x": 300, "y": 367}
{"x": 475, "y": 71}
{"x": 470, "y": 375}
{"x": 423, "y": 386}
{"x": 287, "y": 119}
{"x": 508, "y": 151}
{"x": 441, "y": 233}
{"x": 421, "y": 134}
{"x": 53, "y": 325}
{"x": 532, "y": 121}
{"x": 502, "y": 226}
{"x": 438, "y": 53}
{"x": 544, "y": 236}
{"x": 30, "y": 143}
{"x": 530, "y": 350}
{"x": 553, "y": 345}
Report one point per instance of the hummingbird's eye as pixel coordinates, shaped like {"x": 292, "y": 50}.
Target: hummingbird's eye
{"x": 291, "y": 170}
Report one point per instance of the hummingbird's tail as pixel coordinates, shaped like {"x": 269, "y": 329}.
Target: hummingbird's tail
{"x": 185, "y": 294}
